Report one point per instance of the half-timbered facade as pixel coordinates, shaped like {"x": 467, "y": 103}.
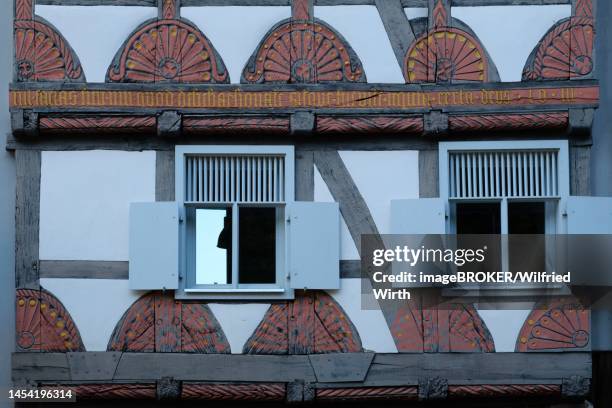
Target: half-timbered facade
{"x": 291, "y": 128}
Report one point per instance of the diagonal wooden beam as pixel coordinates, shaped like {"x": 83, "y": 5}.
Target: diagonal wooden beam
{"x": 342, "y": 187}
{"x": 397, "y": 26}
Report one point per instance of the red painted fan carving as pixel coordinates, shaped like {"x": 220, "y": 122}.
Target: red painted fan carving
{"x": 446, "y": 55}
{"x": 158, "y": 323}
{"x": 168, "y": 51}
{"x": 43, "y": 324}
{"x": 312, "y": 323}
{"x": 561, "y": 324}
{"x": 41, "y": 54}
{"x": 303, "y": 52}
{"x": 565, "y": 52}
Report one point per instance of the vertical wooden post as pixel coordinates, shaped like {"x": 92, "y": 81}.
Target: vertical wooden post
{"x": 302, "y": 10}
{"x": 169, "y": 9}
{"x": 27, "y": 215}
{"x": 439, "y": 13}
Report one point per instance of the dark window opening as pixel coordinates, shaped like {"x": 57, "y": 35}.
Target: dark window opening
{"x": 527, "y": 245}
{"x": 257, "y": 245}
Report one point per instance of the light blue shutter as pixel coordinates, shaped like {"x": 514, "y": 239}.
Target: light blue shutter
{"x": 589, "y": 255}
{"x": 589, "y": 215}
{"x": 418, "y": 216}
{"x": 154, "y": 245}
{"x": 314, "y": 245}
{"x": 593, "y": 215}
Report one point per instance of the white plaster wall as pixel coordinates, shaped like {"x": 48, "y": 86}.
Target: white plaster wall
{"x": 504, "y": 326}
{"x": 84, "y": 202}
{"x": 362, "y": 28}
{"x": 95, "y": 32}
{"x": 235, "y": 31}
{"x": 416, "y": 12}
{"x": 96, "y": 305}
{"x": 371, "y": 324}
{"x": 382, "y": 176}
{"x": 348, "y": 249}
{"x": 238, "y": 321}
{"x": 510, "y": 33}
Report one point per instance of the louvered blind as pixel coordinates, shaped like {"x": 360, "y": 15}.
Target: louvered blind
{"x": 496, "y": 174}
{"x": 235, "y": 178}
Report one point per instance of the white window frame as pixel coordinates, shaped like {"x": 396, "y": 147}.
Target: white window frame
{"x": 187, "y": 286}
{"x": 555, "y": 206}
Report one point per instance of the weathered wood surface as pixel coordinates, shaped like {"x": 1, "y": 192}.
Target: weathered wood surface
{"x": 187, "y": 3}
{"x": 428, "y": 174}
{"x": 353, "y": 207}
{"x": 397, "y": 25}
{"x": 27, "y": 217}
{"x": 84, "y": 269}
{"x": 341, "y": 368}
{"x": 385, "y": 369}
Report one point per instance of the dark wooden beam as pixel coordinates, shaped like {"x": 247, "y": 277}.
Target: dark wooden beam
{"x": 398, "y": 27}
{"x": 27, "y": 217}
{"x": 202, "y": 3}
{"x": 384, "y": 370}
{"x": 164, "y": 175}
{"x": 84, "y": 269}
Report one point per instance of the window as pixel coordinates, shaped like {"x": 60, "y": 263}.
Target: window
{"x": 234, "y": 230}
{"x": 512, "y": 190}
{"x": 234, "y": 201}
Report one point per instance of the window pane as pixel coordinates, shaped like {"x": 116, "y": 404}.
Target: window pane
{"x": 213, "y": 246}
{"x": 478, "y": 226}
{"x": 528, "y": 250}
{"x": 478, "y": 218}
{"x": 257, "y": 245}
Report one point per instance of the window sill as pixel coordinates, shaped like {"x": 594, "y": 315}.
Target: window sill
{"x": 254, "y": 290}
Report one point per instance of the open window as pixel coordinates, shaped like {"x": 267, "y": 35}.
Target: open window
{"x": 513, "y": 190}
{"x": 236, "y": 232}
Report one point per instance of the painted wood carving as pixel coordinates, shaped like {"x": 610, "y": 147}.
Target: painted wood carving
{"x": 234, "y": 392}
{"x": 234, "y": 125}
{"x": 364, "y": 124}
{"x": 502, "y": 390}
{"x": 445, "y": 328}
{"x": 445, "y": 55}
{"x": 312, "y": 323}
{"x": 566, "y": 50}
{"x": 167, "y": 50}
{"x": 303, "y": 50}
{"x": 490, "y": 122}
{"x": 409, "y": 393}
{"x": 42, "y": 323}
{"x": 158, "y": 323}
{"x": 557, "y": 325}
{"x": 41, "y": 52}
{"x": 105, "y": 124}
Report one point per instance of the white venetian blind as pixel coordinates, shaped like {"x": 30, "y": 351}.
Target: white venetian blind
{"x": 235, "y": 178}
{"x": 496, "y": 174}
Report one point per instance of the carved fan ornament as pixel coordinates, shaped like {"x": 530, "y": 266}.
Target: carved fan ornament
{"x": 560, "y": 324}
{"x": 158, "y": 323}
{"x": 446, "y": 55}
{"x": 303, "y": 52}
{"x": 42, "y": 54}
{"x": 168, "y": 51}
{"x": 565, "y": 52}
{"x": 42, "y": 323}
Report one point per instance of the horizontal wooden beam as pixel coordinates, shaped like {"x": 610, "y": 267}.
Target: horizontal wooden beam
{"x": 84, "y": 269}
{"x": 385, "y": 370}
{"x": 203, "y": 3}
{"x": 53, "y": 100}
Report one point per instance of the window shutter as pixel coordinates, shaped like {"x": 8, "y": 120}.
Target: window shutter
{"x": 154, "y": 246}
{"x": 418, "y": 216}
{"x": 314, "y": 245}
{"x": 589, "y": 215}
{"x": 588, "y": 256}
